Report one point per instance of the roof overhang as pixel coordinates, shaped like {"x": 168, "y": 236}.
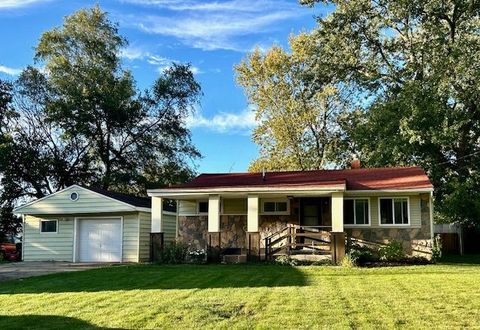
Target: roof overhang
{"x": 176, "y": 193}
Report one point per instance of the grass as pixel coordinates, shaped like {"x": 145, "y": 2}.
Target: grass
{"x": 247, "y": 296}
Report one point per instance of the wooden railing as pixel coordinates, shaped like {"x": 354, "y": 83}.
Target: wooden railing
{"x": 294, "y": 239}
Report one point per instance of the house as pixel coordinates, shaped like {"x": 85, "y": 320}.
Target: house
{"x": 262, "y": 214}
{"x": 82, "y": 224}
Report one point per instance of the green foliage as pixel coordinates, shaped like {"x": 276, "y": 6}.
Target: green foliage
{"x": 437, "y": 248}
{"x": 349, "y": 261}
{"x": 298, "y": 128}
{"x": 392, "y": 251}
{"x": 360, "y": 254}
{"x": 285, "y": 261}
{"x": 175, "y": 253}
{"x": 83, "y": 121}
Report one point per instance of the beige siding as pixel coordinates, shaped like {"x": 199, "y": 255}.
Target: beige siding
{"x": 60, "y": 203}
{"x": 130, "y": 238}
{"x": 48, "y": 246}
{"x": 187, "y": 207}
{"x": 144, "y": 236}
{"x": 169, "y": 227}
{"x": 415, "y": 209}
{"x": 235, "y": 206}
{"x": 60, "y": 246}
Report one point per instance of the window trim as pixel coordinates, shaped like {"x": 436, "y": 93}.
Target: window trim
{"x": 275, "y": 200}
{"x": 198, "y": 205}
{"x": 48, "y": 232}
{"x": 408, "y": 224}
{"x": 354, "y": 213}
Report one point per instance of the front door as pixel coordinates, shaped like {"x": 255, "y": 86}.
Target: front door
{"x": 315, "y": 212}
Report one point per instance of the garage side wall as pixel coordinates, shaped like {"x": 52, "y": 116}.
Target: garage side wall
{"x": 48, "y": 246}
{"x": 130, "y": 238}
{"x": 145, "y": 223}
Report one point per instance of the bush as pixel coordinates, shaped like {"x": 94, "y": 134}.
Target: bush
{"x": 197, "y": 256}
{"x": 437, "y": 248}
{"x": 360, "y": 254}
{"x": 393, "y": 251}
{"x": 349, "y": 261}
{"x": 175, "y": 253}
{"x": 285, "y": 261}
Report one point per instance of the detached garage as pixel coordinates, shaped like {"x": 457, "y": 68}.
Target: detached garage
{"x": 83, "y": 224}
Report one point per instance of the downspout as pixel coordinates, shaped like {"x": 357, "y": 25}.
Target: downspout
{"x": 431, "y": 216}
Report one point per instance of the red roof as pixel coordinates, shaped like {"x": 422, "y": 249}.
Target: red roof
{"x": 355, "y": 179}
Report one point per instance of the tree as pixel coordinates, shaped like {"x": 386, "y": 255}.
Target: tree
{"x": 418, "y": 65}
{"x": 298, "y": 129}
{"x": 81, "y": 120}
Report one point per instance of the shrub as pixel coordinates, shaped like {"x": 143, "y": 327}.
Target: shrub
{"x": 349, "y": 261}
{"x": 285, "y": 261}
{"x": 360, "y": 254}
{"x": 175, "y": 253}
{"x": 393, "y": 251}
{"x": 437, "y": 247}
{"x": 197, "y": 256}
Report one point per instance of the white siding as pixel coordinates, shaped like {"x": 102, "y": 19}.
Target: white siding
{"x": 144, "y": 236}
{"x": 48, "y": 246}
{"x": 169, "y": 227}
{"x": 88, "y": 202}
{"x": 130, "y": 238}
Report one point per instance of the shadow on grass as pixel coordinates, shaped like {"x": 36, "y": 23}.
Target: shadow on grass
{"x": 43, "y": 322}
{"x": 467, "y": 259}
{"x": 148, "y": 277}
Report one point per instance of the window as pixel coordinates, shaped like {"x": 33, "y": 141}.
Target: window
{"x": 48, "y": 226}
{"x": 74, "y": 196}
{"x": 394, "y": 211}
{"x": 275, "y": 206}
{"x": 356, "y": 212}
{"x": 203, "y": 207}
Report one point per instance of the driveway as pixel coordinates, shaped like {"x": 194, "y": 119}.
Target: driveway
{"x": 15, "y": 270}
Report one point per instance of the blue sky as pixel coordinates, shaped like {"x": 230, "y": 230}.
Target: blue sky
{"x": 211, "y": 35}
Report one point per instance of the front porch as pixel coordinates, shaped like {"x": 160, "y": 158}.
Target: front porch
{"x": 301, "y": 226}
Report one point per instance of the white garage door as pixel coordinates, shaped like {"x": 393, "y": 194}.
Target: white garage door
{"x": 100, "y": 240}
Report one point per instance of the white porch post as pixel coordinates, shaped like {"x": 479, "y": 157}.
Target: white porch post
{"x": 252, "y": 215}
{"x": 214, "y": 213}
{"x": 337, "y": 212}
{"x": 157, "y": 214}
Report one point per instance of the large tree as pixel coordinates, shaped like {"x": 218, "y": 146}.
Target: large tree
{"x": 299, "y": 129}
{"x": 82, "y": 120}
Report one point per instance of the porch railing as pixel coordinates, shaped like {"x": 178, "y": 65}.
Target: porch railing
{"x": 295, "y": 239}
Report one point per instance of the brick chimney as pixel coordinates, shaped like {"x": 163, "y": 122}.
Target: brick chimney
{"x": 355, "y": 164}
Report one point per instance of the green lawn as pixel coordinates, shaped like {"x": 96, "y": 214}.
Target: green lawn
{"x": 246, "y": 296}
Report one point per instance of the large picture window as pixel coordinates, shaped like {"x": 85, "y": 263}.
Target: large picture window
{"x": 394, "y": 211}
{"x": 356, "y": 211}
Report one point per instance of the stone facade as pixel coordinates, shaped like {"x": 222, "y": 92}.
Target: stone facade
{"x": 193, "y": 230}
{"x": 415, "y": 241}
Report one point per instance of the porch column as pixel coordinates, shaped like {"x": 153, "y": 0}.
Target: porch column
{"x": 157, "y": 214}
{"x": 252, "y": 215}
{"x": 337, "y": 236}
{"x": 253, "y": 236}
{"x": 337, "y": 212}
{"x": 213, "y": 213}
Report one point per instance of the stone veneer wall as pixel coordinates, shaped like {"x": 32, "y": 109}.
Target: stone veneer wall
{"x": 415, "y": 241}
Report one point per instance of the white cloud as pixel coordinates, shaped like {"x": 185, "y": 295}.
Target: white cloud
{"x": 214, "y": 24}
{"x": 162, "y": 63}
{"x": 225, "y": 122}
{"x": 10, "y": 71}
{"x": 6, "y": 4}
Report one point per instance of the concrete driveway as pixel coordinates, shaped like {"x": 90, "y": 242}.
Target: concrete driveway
{"x": 15, "y": 270}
